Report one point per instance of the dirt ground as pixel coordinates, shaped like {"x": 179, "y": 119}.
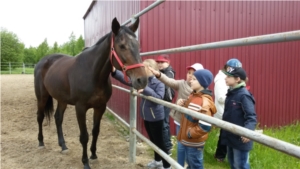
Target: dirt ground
{"x": 19, "y": 130}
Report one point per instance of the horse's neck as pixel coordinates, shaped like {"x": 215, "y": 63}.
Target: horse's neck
{"x": 99, "y": 62}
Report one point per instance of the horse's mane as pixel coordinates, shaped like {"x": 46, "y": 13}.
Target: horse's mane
{"x": 125, "y": 28}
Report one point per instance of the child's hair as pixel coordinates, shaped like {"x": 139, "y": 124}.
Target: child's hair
{"x": 225, "y": 68}
{"x": 243, "y": 80}
{"x": 151, "y": 63}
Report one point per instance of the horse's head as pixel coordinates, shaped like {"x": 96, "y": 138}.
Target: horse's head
{"x": 127, "y": 55}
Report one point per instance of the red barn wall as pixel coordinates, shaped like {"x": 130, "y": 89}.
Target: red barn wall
{"x": 272, "y": 68}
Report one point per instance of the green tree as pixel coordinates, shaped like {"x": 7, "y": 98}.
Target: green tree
{"x": 11, "y": 47}
{"x": 42, "y": 50}
{"x": 64, "y": 48}
{"x": 29, "y": 55}
{"x": 72, "y": 45}
{"x": 54, "y": 49}
{"x": 79, "y": 44}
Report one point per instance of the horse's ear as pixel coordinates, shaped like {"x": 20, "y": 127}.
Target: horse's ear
{"x": 135, "y": 26}
{"x": 115, "y": 26}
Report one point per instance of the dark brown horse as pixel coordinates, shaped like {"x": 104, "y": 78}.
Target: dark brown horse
{"x": 84, "y": 81}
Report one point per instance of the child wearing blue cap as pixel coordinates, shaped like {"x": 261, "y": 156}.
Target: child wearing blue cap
{"x": 239, "y": 110}
{"x": 194, "y": 132}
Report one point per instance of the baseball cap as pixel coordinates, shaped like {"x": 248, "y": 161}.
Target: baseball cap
{"x": 162, "y": 58}
{"x": 196, "y": 66}
{"x": 236, "y": 72}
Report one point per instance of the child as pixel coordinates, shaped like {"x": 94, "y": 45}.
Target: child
{"x": 220, "y": 91}
{"x": 163, "y": 63}
{"x": 152, "y": 113}
{"x": 239, "y": 110}
{"x": 184, "y": 90}
{"x": 194, "y": 132}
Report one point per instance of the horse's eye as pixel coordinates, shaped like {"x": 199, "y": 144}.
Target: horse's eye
{"x": 122, "y": 47}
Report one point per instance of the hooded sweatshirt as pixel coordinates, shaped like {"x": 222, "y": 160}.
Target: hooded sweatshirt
{"x": 169, "y": 92}
{"x": 194, "y": 132}
{"x": 149, "y": 110}
{"x": 184, "y": 90}
{"x": 220, "y": 91}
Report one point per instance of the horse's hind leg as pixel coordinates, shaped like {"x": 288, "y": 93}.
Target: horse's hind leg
{"x": 59, "y": 116}
{"x": 40, "y": 119}
{"x": 45, "y": 106}
{"x": 98, "y": 112}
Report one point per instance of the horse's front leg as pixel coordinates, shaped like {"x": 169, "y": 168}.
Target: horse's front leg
{"x": 59, "y": 116}
{"x": 84, "y": 137}
{"x": 98, "y": 112}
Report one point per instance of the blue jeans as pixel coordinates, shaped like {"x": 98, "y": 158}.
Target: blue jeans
{"x": 194, "y": 157}
{"x": 180, "y": 150}
{"x": 166, "y": 129}
{"x": 238, "y": 159}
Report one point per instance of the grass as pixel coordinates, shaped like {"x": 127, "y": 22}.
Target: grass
{"x": 121, "y": 128}
{"x": 18, "y": 71}
{"x": 261, "y": 157}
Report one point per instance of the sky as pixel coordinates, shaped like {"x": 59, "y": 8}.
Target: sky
{"x": 34, "y": 20}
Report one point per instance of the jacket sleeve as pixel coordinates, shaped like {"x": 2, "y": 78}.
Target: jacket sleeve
{"x": 249, "y": 112}
{"x": 170, "y": 93}
{"x": 220, "y": 91}
{"x": 203, "y": 127}
{"x": 120, "y": 77}
{"x": 159, "y": 91}
{"x": 174, "y": 84}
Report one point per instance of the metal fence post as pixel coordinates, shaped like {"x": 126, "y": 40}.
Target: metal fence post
{"x": 23, "y": 69}
{"x": 132, "y": 136}
{"x": 9, "y": 68}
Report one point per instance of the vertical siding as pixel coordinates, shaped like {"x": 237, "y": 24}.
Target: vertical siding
{"x": 272, "y": 68}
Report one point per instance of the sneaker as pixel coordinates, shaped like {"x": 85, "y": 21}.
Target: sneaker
{"x": 155, "y": 164}
{"x": 220, "y": 160}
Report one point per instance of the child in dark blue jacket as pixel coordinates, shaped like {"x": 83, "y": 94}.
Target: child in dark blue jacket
{"x": 152, "y": 113}
{"x": 239, "y": 110}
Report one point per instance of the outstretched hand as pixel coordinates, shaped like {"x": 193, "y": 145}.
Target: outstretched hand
{"x": 155, "y": 72}
{"x": 180, "y": 102}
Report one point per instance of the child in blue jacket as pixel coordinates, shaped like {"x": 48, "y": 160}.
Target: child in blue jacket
{"x": 239, "y": 110}
{"x": 152, "y": 113}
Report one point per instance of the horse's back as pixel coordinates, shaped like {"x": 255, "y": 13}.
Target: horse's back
{"x": 46, "y": 62}
{"x": 47, "y": 71}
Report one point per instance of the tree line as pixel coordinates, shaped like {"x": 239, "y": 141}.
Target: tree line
{"x": 13, "y": 50}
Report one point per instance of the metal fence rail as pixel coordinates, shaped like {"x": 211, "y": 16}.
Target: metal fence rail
{"x": 274, "y": 143}
{"x": 153, "y": 5}
{"x": 16, "y": 67}
{"x": 252, "y": 40}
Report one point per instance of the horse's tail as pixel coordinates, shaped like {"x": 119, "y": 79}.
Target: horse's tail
{"x": 48, "y": 111}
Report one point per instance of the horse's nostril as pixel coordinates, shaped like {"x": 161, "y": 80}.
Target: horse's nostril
{"x": 139, "y": 80}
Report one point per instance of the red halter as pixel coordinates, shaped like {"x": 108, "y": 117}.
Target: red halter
{"x": 124, "y": 68}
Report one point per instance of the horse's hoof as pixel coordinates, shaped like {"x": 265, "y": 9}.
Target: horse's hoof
{"x": 65, "y": 151}
{"x": 92, "y": 161}
{"x": 41, "y": 147}
{"x": 86, "y": 167}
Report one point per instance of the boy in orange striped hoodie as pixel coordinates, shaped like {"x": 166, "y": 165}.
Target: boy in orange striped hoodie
{"x": 193, "y": 132}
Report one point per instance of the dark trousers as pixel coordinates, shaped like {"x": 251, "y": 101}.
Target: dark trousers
{"x": 155, "y": 133}
{"x": 166, "y": 129}
{"x": 221, "y": 149}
